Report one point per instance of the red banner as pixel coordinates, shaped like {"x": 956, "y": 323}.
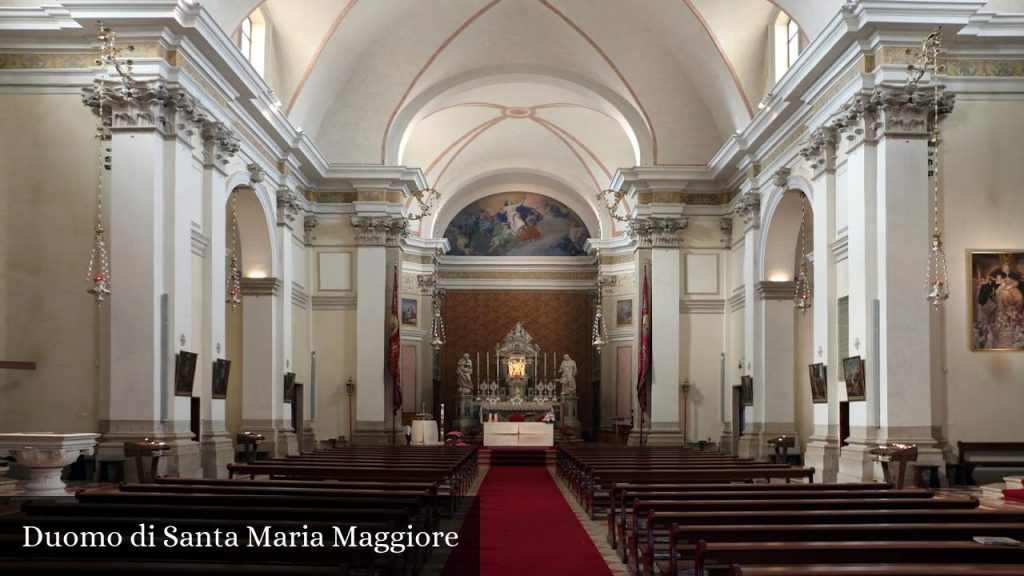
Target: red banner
{"x": 645, "y": 347}
{"x": 395, "y": 350}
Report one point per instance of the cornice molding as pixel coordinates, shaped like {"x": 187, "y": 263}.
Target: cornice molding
{"x": 737, "y": 300}
{"x": 261, "y": 286}
{"x": 200, "y": 242}
{"x": 768, "y": 290}
{"x": 321, "y": 302}
{"x": 712, "y": 306}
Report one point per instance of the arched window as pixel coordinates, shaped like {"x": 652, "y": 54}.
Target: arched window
{"x": 252, "y": 40}
{"x": 787, "y": 44}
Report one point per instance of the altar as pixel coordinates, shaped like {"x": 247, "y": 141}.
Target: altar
{"x": 519, "y": 395}
{"x": 519, "y": 434}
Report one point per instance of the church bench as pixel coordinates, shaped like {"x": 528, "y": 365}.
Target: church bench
{"x": 973, "y": 455}
{"x": 684, "y": 538}
{"x": 442, "y": 493}
{"x": 618, "y": 520}
{"x": 880, "y": 570}
{"x": 652, "y": 522}
{"x": 425, "y": 499}
{"x": 166, "y": 567}
{"x": 696, "y": 476}
{"x": 716, "y": 557}
{"x": 613, "y": 494}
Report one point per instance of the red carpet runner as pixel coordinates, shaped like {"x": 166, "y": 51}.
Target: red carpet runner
{"x": 525, "y": 527}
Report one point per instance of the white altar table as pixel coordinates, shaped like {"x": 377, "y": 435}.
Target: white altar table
{"x": 519, "y": 434}
{"x": 424, "y": 432}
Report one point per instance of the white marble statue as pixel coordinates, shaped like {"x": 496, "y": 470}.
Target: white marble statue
{"x": 465, "y": 374}
{"x": 567, "y": 375}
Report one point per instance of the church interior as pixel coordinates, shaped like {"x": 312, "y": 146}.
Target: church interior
{"x": 591, "y": 286}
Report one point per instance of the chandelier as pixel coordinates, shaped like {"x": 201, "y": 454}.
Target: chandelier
{"x": 599, "y": 333}
{"x": 437, "y": 332}
{"x": 937, "y": 274}
{"x": 804, "y": 296}
{"x": 426, "y": 199}
{"x": 613, "y": 200}
{"x": 233, "y": 285}
{"x": 98, "y": 274}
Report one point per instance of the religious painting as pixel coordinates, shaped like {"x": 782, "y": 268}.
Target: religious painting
{"x": 819, "y": 383}
{"x": 409, "y": 311}
{"x": 997, "y": 300}
{"x": 747, "y": 390}
{"x": 854, "y": 369}
{"x": 517, "y": 224}
{"x": 184, "y": 373}
{"x": 624, "y": 312}
{"x": 289, "y": 387}
{"x": 221, "y": 372}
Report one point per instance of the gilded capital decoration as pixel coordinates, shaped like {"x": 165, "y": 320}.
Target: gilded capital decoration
{"x": 748, "y": 206}
{"x": 380, "y": 230}
{"x": 655, "y": 232}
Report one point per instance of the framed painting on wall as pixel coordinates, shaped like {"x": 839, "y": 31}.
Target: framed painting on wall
{"x": 221, "y": 373}
{"x": 624, "y": 312}
{"x": 819, "y": 383}
{"x": 184, "y": 373}
{"x": 747, "y": 390}
{"x": 409, "y": 311}
{"x": 996, "y": 300}
{"x": 289, "y": 387}
{"x": 854, "y": 368}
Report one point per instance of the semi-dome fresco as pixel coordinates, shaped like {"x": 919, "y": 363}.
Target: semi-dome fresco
{"x": 517, "y": 224}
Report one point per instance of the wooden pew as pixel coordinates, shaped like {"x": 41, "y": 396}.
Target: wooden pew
{"x": 686, "y": 537}
{"x": 881, "y": 570}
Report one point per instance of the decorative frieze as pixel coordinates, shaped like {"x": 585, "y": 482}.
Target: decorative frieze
{"x": 380, "y": 230}
{"x": 658, "y": 232}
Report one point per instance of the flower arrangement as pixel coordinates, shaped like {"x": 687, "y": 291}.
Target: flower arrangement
{"x": 549, "y": 418}
{"x": 453, "y": 438}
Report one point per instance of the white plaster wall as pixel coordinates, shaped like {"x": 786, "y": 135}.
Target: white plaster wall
{"x": 984, "y": 209}
{"x": 803, "y": 355}
{"x": 233, "y": 352}
{"x": 47, "y": 213}
{"x": 702, "y": 338}
{"x": 334, "y": 332}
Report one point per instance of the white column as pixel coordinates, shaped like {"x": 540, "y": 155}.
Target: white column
{"x": 151, "y": 176}
{"x": 287, "y": 210}
{"x": 262, "y": 365}
{"x": 907, "y": 376}
{"x": 749, "y": 208}
{"x": 823, "y": 448}
{"x": 665, "y": 352}
{"x": 215, "y": 445}
{"x": 374, "y": 231}
{"x": 855, "y": 463}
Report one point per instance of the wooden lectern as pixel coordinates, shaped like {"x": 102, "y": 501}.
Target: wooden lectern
{"x": 782, "y": 444}
{"x": 900, "y": 453}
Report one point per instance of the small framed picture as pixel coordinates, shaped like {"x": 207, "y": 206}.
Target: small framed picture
{"x": 819, "y": 383}
{"x": 854, "y": 369}
{"x": 747, "y": 390}
{"x": 289, "y": 387}
{"x": 184, "y": 373}
{"x": 624, "y": 312}
{"x": 996, "y": 289}
{"x": 221, "y": 373}
{"x": 409, "y": 312}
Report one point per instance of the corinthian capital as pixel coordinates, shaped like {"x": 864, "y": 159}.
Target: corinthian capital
{"x": 820, "y": 150}
{"x": 748, "y": 206}
{"x": 220, "y": 143}
{"x": 658, "y": 232}
{"x": 909, "y": 112}
{"x": 287, "y": 206}
{"x": 380, "y": 230}
{"x": 170, "y": 110}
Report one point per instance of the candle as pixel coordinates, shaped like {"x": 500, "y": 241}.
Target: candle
{"x": 478, "y": 369}
{"x": 488, "y": 365}
{"x": 545, "y": 366}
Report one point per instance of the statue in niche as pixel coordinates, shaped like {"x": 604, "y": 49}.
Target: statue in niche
{"x": 465, "y": 375}
{"x": 567, "y": 375}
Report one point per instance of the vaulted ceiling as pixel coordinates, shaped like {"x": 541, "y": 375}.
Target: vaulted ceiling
{"x": 566, "y": 91}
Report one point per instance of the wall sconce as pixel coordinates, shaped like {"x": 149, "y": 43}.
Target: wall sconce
{"x": 684, "y": 388}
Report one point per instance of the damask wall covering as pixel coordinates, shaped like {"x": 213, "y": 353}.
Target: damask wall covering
{"x": 558, "y": 321}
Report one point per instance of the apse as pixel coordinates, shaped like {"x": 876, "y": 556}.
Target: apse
{"x": 517, "y": 224}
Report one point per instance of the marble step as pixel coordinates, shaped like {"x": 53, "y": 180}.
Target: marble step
{"x": 1014, "y": 482}
{"x": 993, "y": 491}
